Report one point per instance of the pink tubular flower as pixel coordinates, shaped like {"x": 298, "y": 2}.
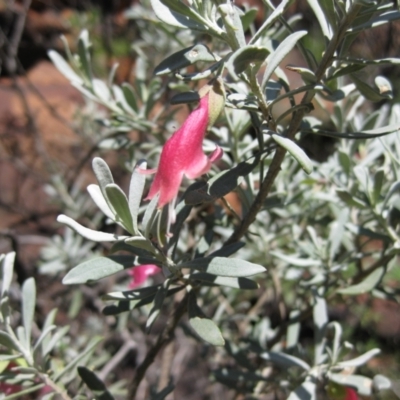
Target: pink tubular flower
{"x": 182, "y": 155}
{"x": 351, "y": 394}
{"x": 140, "y": 273}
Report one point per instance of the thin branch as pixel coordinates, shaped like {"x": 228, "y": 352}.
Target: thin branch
{"x": 164, "y": 338}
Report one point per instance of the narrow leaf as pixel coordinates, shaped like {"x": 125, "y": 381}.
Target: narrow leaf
{"x": 270, "y": 20}
{"x": 243, "y": 57}
{"x": 377, "y": 21}
{"x": 322, "y": 19}
{"x": 173, "y": 18}
{"x": 204, "y": 327}
{"x": 369, "y": 283}
{"x": 361, "y": 360}
{"x": 87, "y": 233}
{"x": 7, "y": 341}
{"x": 102, "y": 172}
{"x": 184, "y": 58}
{"x": 64, "y": 67}
{"x": 120, "y": 204}
{"x": 284, "y": 360}
{"x": 7, "y": 268}
{"x": 224, "y": 266}
{"x": 97, "y": 268}
{"x": 136, "y": 188}
{"x": 280, "y": 53}
{"x": 296, "y": 151}
{"x": 95, "y": 384}
{"x": 98, "y": 198}
{"x": 207, "y": 330}
{"x": 28, "y": 308}
{"x": 320, "y": 318}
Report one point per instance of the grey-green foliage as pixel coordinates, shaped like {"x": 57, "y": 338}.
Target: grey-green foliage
{"x": 312, "y": 232}
{"x": 34, "y": 359}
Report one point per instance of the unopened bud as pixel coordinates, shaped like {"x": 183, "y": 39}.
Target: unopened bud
{"x": 216, "y": 99}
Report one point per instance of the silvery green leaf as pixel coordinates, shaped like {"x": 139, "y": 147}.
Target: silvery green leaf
{"x": 243, "y": 57}
{"x": 45, "y": 332}
{"x": 98, "y": 198}
{"x": 103, "y": 175}
{"x": 280, "y": 53}
{"x": 170, "y": 17}
{"x": 278, "y": 11}
{"x": 307, "y": 75}
{"x": 64, "y": 67}
{"x": 384, "y": 90}
{"x": 238, "y": 283}
{"x": 358, "y": 361}
{"x": 141, "y": 243}
{"x": 94, "y": 383}
{"x": 336, "y": 233}
{"x": 204, "y": 327}
{"x": 296, "y": 151}
{"x": 362, "y": 384}
{"x": 184, "y": 58}
{"x": 84, "y": 53}
{"x": 248, "y": 17}
{"x": 379, "y": 178}
{"x": 293, "y": 330}
{"x": 87, "y": 233}
{"x": 149, "y": 215}
{"x": 351, "y": 201}
{"x": 320, "y": 318}
{"x": 374, "y": 22}
{"x": 224, "y": 266}
{"x": 326, "y": 28}
{"x": 55, "y": 339}
{"x": 101, "y": 90}
{"x": 130, "y": 96}
{"x": 337, "y": 337}
{"x": 136, "y": 187}
{"x": 8, "y": 342}
{"x": 380, "y": 382}
{"x": 233, "y": 24}
{"x": 296, "y": 261}
{"x": 208, "y": 330}
{"x": 7, "y": 268}
{"x": 284, "y": 360}
{"x": 28, "y": 308}
{"x": 119, "y": 203}
{"x": 306, "y": 391}
{"x": 365, "y": 286}
{"x": 121, "y": 100}
{"x": 97, "y": 268}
